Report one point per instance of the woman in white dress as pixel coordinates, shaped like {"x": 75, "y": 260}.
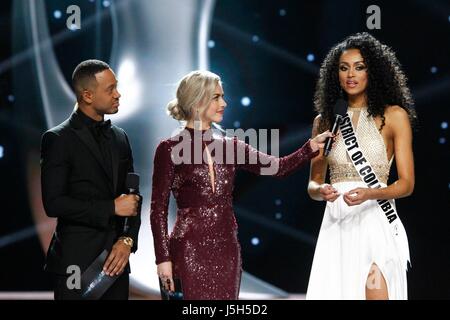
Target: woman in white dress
{"x": 358, "y": 255}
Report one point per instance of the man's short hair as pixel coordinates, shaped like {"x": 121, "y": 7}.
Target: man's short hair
{"x": 84, "y": 75}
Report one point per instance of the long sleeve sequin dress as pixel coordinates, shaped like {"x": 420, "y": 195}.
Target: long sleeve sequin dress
{"x": 203, "y": 245}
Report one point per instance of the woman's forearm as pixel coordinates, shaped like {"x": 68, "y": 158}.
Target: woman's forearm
{"x": 314, "y": 190}
{"x": 399, "y": 189}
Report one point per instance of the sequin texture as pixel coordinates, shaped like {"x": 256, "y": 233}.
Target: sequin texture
{"x": 203, "y": 246}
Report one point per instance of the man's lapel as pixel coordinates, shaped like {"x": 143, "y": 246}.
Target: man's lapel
{"x": 86, "y": 137}
{"x": 115, "y": 156}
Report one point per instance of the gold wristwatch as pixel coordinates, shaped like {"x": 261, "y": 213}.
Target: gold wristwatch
{"x": 127, "y": 240}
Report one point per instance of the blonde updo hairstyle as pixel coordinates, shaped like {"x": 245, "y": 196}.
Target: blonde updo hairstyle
{"x": 195, "y": 90}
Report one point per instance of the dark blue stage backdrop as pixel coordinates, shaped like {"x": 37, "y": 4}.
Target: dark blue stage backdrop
{"x": 268, "y": 54}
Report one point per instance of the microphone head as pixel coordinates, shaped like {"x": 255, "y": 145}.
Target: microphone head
{"x": 340, "y": 108}
{"x": 132, "y": 181}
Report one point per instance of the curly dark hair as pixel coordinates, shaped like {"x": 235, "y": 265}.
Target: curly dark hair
{"x": 386, "y": 81}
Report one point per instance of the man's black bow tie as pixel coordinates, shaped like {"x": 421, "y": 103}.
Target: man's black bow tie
{"x": 104, "y": 128}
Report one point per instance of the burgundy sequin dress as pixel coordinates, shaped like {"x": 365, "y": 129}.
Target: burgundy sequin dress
{"x": 203, "y": 245}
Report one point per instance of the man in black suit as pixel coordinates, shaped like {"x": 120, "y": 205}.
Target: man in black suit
{"x": 84, "y": 165}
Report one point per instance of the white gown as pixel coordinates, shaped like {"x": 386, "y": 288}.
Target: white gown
{"x": 351, "y": 239}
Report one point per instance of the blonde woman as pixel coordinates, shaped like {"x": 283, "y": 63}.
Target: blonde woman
{"x": 203, "y": 250}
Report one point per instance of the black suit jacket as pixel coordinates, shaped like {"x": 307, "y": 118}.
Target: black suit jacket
{"x": 77, "y": 191}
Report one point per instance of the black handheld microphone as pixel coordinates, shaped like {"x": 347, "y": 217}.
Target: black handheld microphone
{"x": 340, "y": 109}
{"x": 132, "y": 185}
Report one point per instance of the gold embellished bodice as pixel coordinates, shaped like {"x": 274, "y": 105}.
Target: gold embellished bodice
{"x": 371, "y": 143}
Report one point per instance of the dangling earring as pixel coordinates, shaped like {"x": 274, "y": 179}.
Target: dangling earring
{"x": 197, "y": 121}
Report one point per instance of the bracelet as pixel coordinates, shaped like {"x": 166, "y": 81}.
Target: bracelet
{"x": 127, "y": 240}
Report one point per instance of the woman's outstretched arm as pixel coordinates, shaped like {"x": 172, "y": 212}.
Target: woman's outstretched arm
{"x": 250, "y": 159}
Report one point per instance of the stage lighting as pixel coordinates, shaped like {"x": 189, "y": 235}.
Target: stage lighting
{"x": 57, "y": 14}
{"x": 245, "y": 101}
{"x": 130, "y": 84}
{"x": 255, "y": 241}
